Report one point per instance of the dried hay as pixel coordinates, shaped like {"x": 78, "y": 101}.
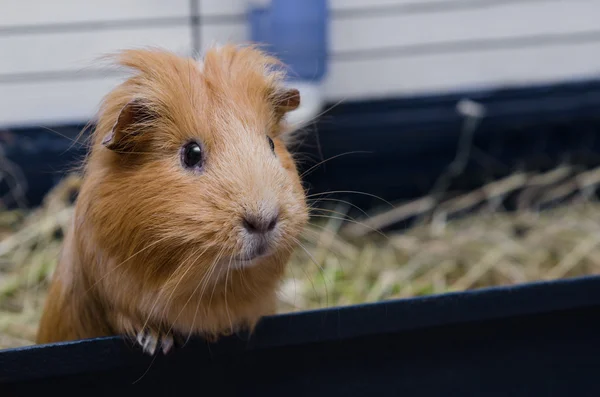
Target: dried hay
{"x": 343, "y": 263}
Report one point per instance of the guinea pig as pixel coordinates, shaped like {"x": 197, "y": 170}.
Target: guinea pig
{"x": 190, "y": 205}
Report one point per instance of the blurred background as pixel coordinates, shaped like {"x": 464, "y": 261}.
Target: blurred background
{"x": 448, "y": 144}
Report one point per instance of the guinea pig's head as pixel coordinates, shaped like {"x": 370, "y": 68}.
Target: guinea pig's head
{"x": 189, "y": 167}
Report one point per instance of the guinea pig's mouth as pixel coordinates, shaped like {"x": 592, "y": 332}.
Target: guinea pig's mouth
{"x": 248, "y": 258}
{"x": 245, "y": 258}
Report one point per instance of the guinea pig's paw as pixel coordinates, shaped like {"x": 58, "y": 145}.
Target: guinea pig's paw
{"x": 150, "y": 341}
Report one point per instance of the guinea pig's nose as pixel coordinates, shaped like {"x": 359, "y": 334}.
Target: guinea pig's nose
{"x": 257, "y": 224}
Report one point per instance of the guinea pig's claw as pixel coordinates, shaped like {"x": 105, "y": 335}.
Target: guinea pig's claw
{"x": 166, "y": 343}
{"x": 150, "y": 340}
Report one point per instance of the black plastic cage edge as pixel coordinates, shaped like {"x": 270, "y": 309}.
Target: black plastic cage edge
{"x": 324, "y": 326}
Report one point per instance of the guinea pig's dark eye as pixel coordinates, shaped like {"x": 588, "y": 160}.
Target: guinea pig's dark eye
{"x": 191, "y": 156}
{"x": 271, "y": 143}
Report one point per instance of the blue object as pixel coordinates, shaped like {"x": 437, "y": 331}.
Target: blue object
{"x": 296, "y": 32}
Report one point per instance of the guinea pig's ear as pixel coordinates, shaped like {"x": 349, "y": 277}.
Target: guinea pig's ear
{"x": 128, "y": 125}
{"x": 285, "y": 101}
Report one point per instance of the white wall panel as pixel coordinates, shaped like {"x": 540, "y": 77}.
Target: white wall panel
{"x": 237, "y": 7}
{"x": 223, "y": 33}
{"x": 402, "y": 47}
{"x": 52, "y": 102}
{"x": 79, "y": 50}
{"x": 34, "y": 12}
{"x": 339, "y": 5}
{"x": 371, "y": 78}
{"x": 510, "y": 20}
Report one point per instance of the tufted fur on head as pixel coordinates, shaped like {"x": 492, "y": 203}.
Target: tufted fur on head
{"x": 160, "y": 247}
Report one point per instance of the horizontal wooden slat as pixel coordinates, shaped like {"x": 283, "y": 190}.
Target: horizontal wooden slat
{"x": 455, "y": 71}
{"x": 237, "y": 7}
{"x": 224, "y": 32}
{"x": 48, "y": 52}
{"x": 35, "y": 12}
{"x": 52, "y": 102}
{"x": 509, "y": 21}
{"x": 339, "y": 5}
{"x": 46, "y": 103}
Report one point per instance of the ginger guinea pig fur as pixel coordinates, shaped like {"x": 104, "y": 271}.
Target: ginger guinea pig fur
{"x": 190, "y": 204}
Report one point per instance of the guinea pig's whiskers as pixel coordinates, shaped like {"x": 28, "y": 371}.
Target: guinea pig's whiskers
{"x": 325, "y": 211}
{"x": 73, "y": 141}
{"x": 331, "y": 249}
{"x": 318, "y": 236}
{"x": 351, "y": 221}
{"x": 308, "y": 171}
{"x": 316, "y": 201}
{"x": 204, "y": 282}
{"x": 344, "y": 217}
{"x": 125, "y": 261}
{"x": 227, "y": 271}
{"x": 312, "y": 284}
{"x": 290, "y": 249}
{"x": 321, "y": 270}
{"x": 349, "y": 192}
{"x": 194, "y": 258}
{"x": 205, "y": 279}
{"x": 211, "y": 274}
{"x": 214, "y": 287}
{"x": 246, "y": 285}
{"x": 324, "y": 241}
{"x": 324, "y": 112}
{"x": 190, "y": 261}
